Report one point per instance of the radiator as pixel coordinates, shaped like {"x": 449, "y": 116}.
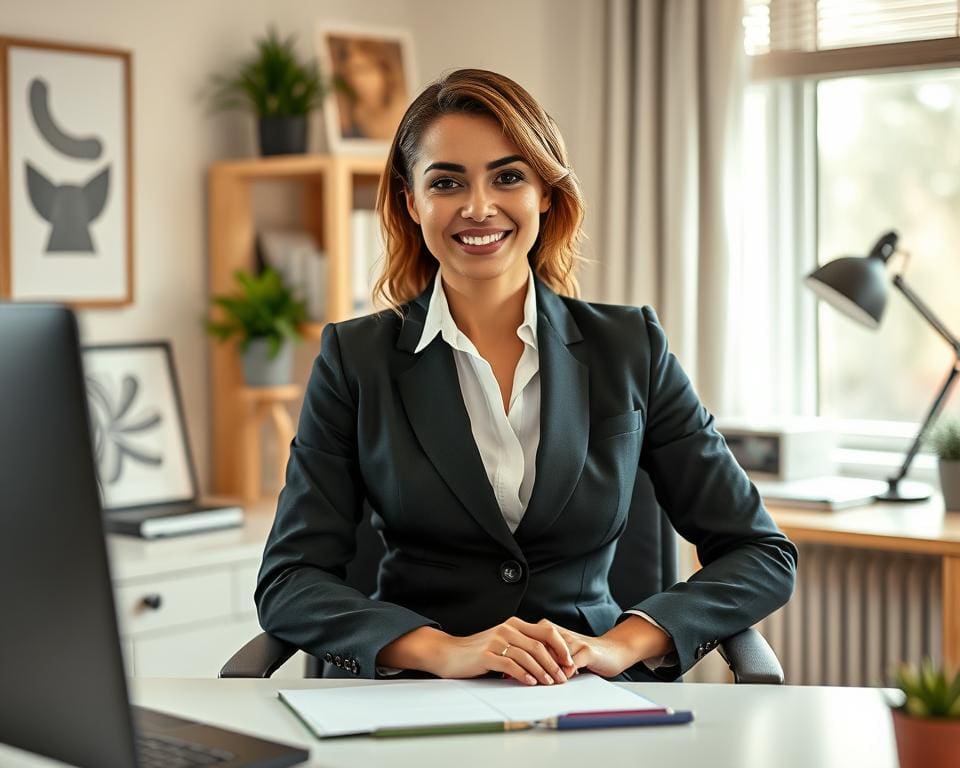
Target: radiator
{"x": 855, "y": 614}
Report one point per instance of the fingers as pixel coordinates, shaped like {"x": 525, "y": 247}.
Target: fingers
{"x": 547, "y": 633}
{"x": 533, "y": 656}
{"x": 510, "y": 668}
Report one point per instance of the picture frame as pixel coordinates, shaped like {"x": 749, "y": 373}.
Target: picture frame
{"x": 137, "y": 421}
{"x": 66, "y": 174}
{"x": 376, "y": 66}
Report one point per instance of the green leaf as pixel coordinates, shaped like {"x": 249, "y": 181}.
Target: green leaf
{"x": 272, "y": 82}
{"x": 264, "y": 307}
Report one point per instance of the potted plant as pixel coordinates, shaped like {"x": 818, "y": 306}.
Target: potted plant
{"x": 945, "y": 441}
{"x": 279, "y": 89}
{"x": 266, "y": 316}
{"x": 927, "y": 723}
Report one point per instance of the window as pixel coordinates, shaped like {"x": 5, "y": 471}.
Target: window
{"x": 889, "y": 158}
{"x": 853, "y": 123}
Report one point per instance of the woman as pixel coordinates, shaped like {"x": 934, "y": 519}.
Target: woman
{"x": 496, "y": 426}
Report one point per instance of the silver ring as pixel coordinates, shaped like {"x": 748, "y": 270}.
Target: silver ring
{"x": 504, "y": 651}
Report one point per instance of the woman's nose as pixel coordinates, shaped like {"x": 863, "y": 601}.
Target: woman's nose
{"x": 479, "y": 206}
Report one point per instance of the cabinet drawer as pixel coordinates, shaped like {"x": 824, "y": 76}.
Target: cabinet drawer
{"x": 244, "y": 584}
{"x": 201, "y": 651}
{"x": 175, "y": 601}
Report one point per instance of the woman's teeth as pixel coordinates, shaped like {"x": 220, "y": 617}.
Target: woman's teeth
{"x": 482, "y": 240}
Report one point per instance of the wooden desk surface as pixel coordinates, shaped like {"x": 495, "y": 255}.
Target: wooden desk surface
{"x": 921, "y": 527}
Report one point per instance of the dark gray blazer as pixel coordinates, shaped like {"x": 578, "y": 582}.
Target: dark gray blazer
{"x": 384, "y": 424}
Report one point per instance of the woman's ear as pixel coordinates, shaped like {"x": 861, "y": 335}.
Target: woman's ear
{"x": 411, "y": 204}
{"x": 545, "y": 201}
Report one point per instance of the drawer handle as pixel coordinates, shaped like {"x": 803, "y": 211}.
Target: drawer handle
{"x": 153, "y": 601}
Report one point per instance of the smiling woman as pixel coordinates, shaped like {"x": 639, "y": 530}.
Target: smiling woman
{"x": 497, "y": 426}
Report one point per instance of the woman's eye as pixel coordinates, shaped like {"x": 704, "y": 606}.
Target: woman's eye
{"x": 516, "y": 176}
{"x": 437, "y": 184}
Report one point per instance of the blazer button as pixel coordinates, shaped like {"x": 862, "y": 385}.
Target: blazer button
{"x": 328, "y": 657}
{"x": 511, "y": 571}
{"x": 338, "y": 661}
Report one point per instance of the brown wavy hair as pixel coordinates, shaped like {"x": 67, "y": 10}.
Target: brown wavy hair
{"x": 408, "y": 264}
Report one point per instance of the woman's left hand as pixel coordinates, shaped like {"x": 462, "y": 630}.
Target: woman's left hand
{"x": 628, "y": 642}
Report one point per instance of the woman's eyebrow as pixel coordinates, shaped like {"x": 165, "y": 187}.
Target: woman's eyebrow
{"x": 456, "y": 168}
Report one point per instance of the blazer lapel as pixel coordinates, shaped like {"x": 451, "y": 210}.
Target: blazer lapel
{"x": 430, "y": 391}
{"x": 564, "y": 415}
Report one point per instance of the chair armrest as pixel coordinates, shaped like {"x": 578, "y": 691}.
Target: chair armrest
{"x": 751, "y": 659}
{"x": 260, "y": 657}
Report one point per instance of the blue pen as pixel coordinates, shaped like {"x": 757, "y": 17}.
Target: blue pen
{"x": 617, "y": 719}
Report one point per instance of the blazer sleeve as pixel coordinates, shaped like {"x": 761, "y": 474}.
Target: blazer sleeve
{"x": 301, "y": 596}
{"x": 748, "y": 565}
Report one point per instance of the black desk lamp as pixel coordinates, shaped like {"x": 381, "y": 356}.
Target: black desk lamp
{"x": 857, "y": 286}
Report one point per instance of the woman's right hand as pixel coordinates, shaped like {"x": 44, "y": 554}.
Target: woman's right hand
{"x": 530, "y": 653}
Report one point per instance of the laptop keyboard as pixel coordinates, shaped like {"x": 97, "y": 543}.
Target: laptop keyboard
{"x": 167, "y": 752}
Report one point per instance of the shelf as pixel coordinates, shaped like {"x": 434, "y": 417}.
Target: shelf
{"x": 329, "y": 184}
{"x": 294, "y": 166}
{"x": 312, "y": 331}
{"x": 282, "y": 394}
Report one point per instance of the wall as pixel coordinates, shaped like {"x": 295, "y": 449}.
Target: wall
{"x": 549, "y": 46}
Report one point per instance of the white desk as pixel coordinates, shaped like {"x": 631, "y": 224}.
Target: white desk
{"x": 737, "y": 726}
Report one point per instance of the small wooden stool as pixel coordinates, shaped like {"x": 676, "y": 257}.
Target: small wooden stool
{"x": 269, "y": 403}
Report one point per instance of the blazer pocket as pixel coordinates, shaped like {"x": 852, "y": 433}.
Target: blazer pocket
{"x": 615, "y": 425}
{"x": 405, "y": 558}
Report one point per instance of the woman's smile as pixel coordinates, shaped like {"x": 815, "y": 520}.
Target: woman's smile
{"x": 479, "y": 242}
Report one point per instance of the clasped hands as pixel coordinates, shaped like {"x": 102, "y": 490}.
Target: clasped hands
{"x": 543, "y": 653}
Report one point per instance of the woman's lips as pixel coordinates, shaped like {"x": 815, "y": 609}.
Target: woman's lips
{"x": 482, "y": 250}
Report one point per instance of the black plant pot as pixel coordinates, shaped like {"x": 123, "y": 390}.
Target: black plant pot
{"x": 283, "y": 135}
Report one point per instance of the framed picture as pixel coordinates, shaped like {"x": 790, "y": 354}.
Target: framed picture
{"x": 372, "y": 70}
{"x": 66, "y": 174}
{"x": 139, "y": 433}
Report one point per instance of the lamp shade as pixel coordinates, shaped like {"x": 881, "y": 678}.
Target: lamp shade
{"x": 856, "y": 285}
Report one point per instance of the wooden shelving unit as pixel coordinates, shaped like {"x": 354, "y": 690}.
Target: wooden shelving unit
{"x": 328, "y": 184}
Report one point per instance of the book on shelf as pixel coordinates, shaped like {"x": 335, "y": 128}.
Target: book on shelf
{"x": 366, "y": 258}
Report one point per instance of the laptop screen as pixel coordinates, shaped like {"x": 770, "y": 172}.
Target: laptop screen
{"x": 63, "y": 688}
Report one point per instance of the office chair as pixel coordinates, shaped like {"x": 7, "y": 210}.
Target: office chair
{"x": 645, "y": 563}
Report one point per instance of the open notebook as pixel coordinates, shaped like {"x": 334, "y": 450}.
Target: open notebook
{"x": 356, "y": 710}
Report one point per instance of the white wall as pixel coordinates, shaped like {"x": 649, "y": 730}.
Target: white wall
{"x": 551, "y": 47}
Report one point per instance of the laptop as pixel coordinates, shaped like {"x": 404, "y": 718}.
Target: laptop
{"x": 148, "y": 484}
{"x": 63, "y": 692}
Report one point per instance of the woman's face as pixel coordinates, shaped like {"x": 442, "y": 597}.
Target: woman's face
{"x": 471, "y": 182}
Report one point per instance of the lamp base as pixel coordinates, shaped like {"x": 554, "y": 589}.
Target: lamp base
{"x": 906, "y": 490}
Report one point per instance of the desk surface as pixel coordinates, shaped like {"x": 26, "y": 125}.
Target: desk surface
{"x": 922, "y": 527}
{"x": 736, "y": 726}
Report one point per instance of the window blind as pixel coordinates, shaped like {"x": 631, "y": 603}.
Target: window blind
{"x": 823, "y": 37}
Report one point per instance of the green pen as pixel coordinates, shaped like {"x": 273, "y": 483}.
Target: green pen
{"x": 453, "y": 728}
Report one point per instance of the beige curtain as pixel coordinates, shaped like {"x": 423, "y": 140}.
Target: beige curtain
{"x": 670, "y": 205}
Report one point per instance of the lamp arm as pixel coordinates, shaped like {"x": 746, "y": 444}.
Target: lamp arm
{"x": 952, "y": 340}
{"x": 927, "y": 313}
{"x": 931, "y": 415}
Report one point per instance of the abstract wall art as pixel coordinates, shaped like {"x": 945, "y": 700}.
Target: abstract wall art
{"x": 66, "y": 170}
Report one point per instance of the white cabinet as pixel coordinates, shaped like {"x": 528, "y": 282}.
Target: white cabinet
{"x": 185, "y": 605}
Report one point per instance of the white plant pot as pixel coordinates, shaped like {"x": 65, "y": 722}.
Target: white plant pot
{"x": 950, "y": 483}
{"x": 259, "y": 370}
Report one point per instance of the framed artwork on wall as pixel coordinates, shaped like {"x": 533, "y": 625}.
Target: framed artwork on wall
{"x": 66, "y": 174}
{"x": 373, "y": 74}
{"x": 136, "y": 417}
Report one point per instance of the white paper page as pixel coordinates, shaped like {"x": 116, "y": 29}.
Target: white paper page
{"x": 348, "y": 710}
{"x": 341, "y": 711}
{"x": 585, "y": 692}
